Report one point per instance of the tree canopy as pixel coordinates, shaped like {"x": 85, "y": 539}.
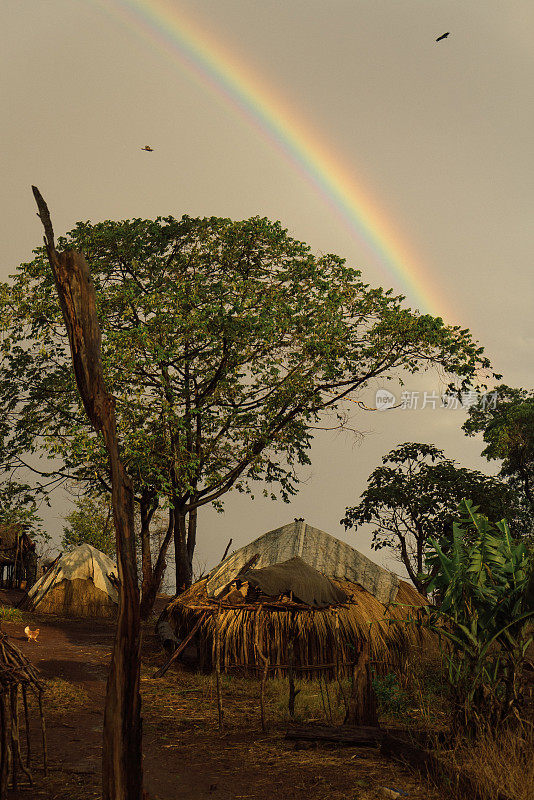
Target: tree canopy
{"x": 414, "y": 495}
{"x": 507, "y": 428}
{"x": 90, "y": 522}
{"x": 222, "y": 342}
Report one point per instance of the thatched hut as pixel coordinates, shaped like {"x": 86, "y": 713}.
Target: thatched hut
{"x": 297, "y": 593}
{"x": 18, "y": 559}
{"x": 82, "y": 583}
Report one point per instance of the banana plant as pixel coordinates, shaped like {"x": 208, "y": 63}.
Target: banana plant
{"x": 481, "y": 577}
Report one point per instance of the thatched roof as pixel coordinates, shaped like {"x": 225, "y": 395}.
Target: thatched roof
{"x": 12, "y": 536}
{"x": 328, "y": 555}
{"x": 253, "y": 623}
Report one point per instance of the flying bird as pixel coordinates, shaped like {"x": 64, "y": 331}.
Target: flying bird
{"x": 443, "y": 36}
{"x": 148, "y": 148}
{"x": 31, "y": 634}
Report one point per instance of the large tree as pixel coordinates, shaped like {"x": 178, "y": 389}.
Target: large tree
{"x": 505, "y": 418}
{"x": 223, "y": 343}
{"x": 414, "y": 495}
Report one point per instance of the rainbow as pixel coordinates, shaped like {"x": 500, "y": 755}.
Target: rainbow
{"x": 186, "y": 44}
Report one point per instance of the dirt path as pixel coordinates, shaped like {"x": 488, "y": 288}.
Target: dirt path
{"x": 185, "y": 756}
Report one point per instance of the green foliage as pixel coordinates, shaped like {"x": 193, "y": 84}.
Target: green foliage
{"x": 482, "y": 584}
{"x": 507, "y": 427}
{"x": 222, "y": 342}
{"x": 19, "y": 506}
{"x": 9, "y": 614}
{"x": 91, "y": 522}
{"x": 391, "y": 698}
{"x": 415, "y": 495}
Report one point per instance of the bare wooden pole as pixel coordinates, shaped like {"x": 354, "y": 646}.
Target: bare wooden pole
{"x": 43, "y": 733}
{"x": 181, "y": 647}
{"x": 265, "y": 660}
{"x": 27, "y": 720}
{"x": 226, "y": 550}
{"x": 14, "y": 737}
{"x": 122, "y": 772}
{"x": 217, "y": 643}
{"x": 327, "y": 692}
{"x": 4, "y": 745}
{"x": 17, "y": 755}
{"x": 291, "y": 673}
{"x": 338, "y": 674}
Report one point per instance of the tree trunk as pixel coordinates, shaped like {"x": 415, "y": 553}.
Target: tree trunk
{"x": 191, "y": 536}
{"x": 147, "y": 507}
{"x": 122, "y": 771}
{"x": 181, "y": 556}
{"x": 150, "y": 591}
{"x": 362, "y": 702}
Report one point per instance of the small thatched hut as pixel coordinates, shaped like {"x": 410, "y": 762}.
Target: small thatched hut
{"x": 296, "y": 584}
{"x": 18, "y": 560}
{"x": 82, "y": 583}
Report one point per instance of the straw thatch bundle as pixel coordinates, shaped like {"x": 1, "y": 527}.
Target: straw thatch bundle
{"x": 322, "y": 637}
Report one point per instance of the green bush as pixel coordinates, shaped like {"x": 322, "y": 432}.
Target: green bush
{"x": 391, "y": 698}
{"x": 9, "y": 614}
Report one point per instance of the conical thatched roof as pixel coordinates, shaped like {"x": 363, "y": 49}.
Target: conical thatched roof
{"x": 82, "y": 583}
{"x": 254, "y": 624}
{"x": 328, "y": 555}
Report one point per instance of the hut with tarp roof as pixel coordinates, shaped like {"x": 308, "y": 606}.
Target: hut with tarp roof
{"x": 81, "y": 583}
{"x": 296, "y": 593}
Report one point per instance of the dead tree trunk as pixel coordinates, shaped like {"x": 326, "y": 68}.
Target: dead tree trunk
{"x": 362, "y": 702}
{"x": 122, "y": 774}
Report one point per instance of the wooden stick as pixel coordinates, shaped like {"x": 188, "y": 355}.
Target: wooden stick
{"x": 27, "y": 718}
{"x": 291, "y": 676}
{"x": 226, "y": 551}
{"x": 43, "y": 733}
{"x": 328, "y": 699}
{"x": 14, "y": 738}
{"x": 4, "y": 745}
{"x": 322, "y": 696}
{"x": 218, "y": 669}
{"x": 162, "y": 670}
{"x": 265, "y": 660}
{"x": 338, "y": 675}
{"x": 17, "y": 756}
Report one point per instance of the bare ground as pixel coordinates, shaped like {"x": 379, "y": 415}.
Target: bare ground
{"x": 185, "y": 755}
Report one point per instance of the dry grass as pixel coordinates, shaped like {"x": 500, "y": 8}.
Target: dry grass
{"x": 321, "y": 637}
{"x": 61, "y": 696}
{"x": 502, "y": 762}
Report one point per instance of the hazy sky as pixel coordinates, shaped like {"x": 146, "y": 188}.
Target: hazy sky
{"x": 435, "y": 137}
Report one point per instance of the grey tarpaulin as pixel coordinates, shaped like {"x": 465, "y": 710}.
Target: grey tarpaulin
{"x": 304, "y": 582}
{"x": 326, "y": 554}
